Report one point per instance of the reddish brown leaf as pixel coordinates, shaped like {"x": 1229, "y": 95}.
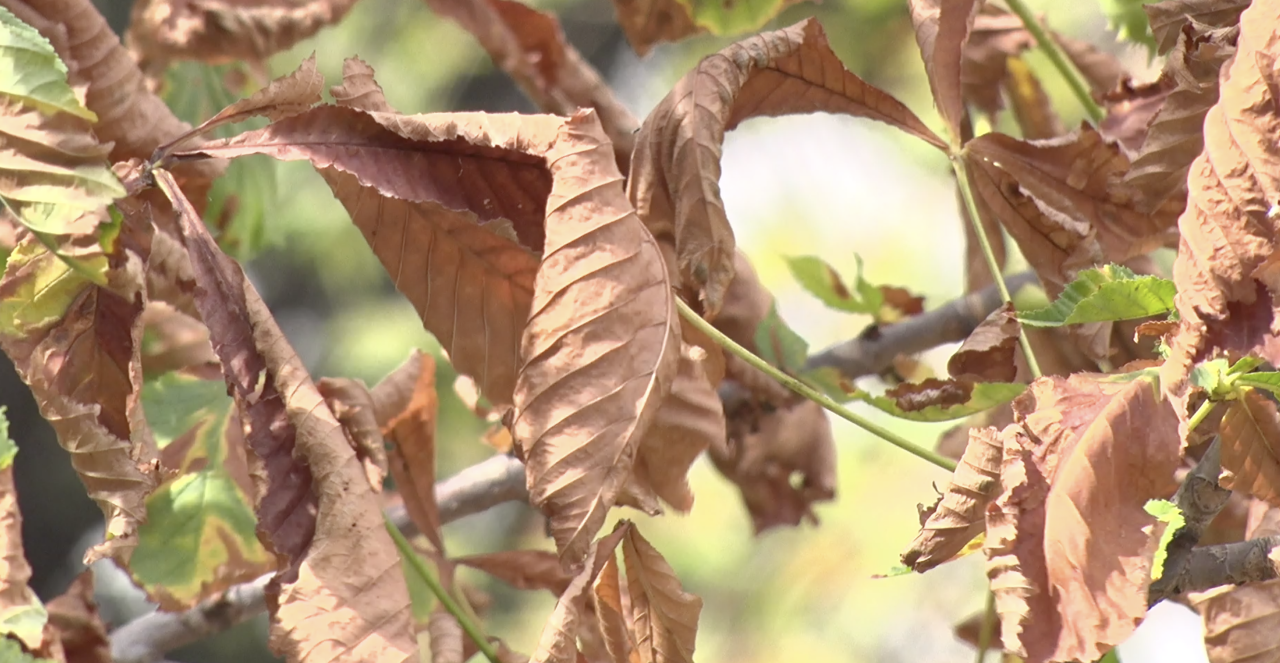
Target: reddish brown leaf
{"x": 675, "y": 181}
{"x": 650, "y": 22}
{"x": 174, "y": 341}
{"x": 287, "y": 95}
{"x": 987, "y": 355}
{"x": 1250, "y": 434}
{"x": 1168, "y": 18}
{"x": 223, "y": 30}
{"x": 522, "y": 569}
{"x": 959, "y": 515}
{"x": 1130, "y": 111}
{"x": 915, "y": 396}
{"x": 1175, "y": 136}
{"x": 1226, "y": 254}
{"x": 942, "y": 28}
{"x": 664, "y": 618}
{"x": 601, "y": 347}
{"x": 1068, "y": 541}
{"x": 323, "y": 607}
{"x": 406, "y": 405}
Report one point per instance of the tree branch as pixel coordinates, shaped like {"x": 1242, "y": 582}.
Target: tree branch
{"x": 147, "y": 639}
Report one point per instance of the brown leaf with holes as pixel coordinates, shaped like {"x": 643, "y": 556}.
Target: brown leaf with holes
{"x": 558, "y": 643}
{"x": 1240, "y": 621}
{"x": 522, "y": 569}
{"x": 942, "y": 28}
{"x": 218, "y": 31}
{"x": 1169, "y": 17}
{"x": 960, "y": 513}
{"x": 761, "y": 456}
{"x": 1175, "y": 136}
{"x": 601, "y": 347}
{"x": 530, "y": 46}
{"x": 323, "y": 607}
{"x": 663, "y": 619}
{"x": 1062, "y": 203}
{"x": 987, "y": 354}
{"x": 77, "y": 345}
{"x": 1069, "y": 545}
{"x": 1226, "y": 257}
{"x": 675, "y": 180}
{"x": 406, "y": 406}
{"x": 452, "y": 205}
{"x": 1250, "y": 434}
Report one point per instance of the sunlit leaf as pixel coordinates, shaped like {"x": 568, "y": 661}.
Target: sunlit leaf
{"x": 1269, "y": 380}
{"x": 1168, "y": 513}
{"x": 824, "y": 282}
{"x": 1111, "y": 292}
{"x": 31, "y": 72}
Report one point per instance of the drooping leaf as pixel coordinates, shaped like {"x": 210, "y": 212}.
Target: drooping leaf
{"x": 326, "y": 607}
{"x": 779, "y": 344}
{"x": 32, "y": 73}
{"x": 1168, "y": 513}
{"x": 1226, "y": 265}
{"x": 406, "y": 409}
{"x": 1110, "y": 292}
{"x": 222, "y": 30}
{"x": 1250, "y": 434}
{"x": 1069, "y": 544}
{"x": 664, "y": 618}
{"x": 601, "y": 346}
{"x": 558, "y": 643}
{"x": 824, "y": 282}
{"x": 675, "y": 177}
{"x": 942, "y": 28}
{"x": 200, "y": 535}
{"x": 457, "y": 184}
{"x": 941, "y": 400}
{"x": 987, "y": 354}
{"x": 959, "y": 515}
{"x": 1168, "y": 17}
{"x": 522, "y": 569}
{"x": 22, "y": 616}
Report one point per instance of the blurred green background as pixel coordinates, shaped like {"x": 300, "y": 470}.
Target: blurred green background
{"x": 821, "y": 185}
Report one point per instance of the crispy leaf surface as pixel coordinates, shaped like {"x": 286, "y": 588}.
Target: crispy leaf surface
{"x": 601, "y": 347}
{"x": 221, "y": 30}
{"x": 1239, "y": 620}
{"x": 1226, "y": 266}
{"x": 676, "y": 167}
{"x": 664, "y": 618}
{"x": 960, "y": 513}
{"x": 558, "y": 643}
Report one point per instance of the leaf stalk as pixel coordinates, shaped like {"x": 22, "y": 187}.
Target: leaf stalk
{"x": 812, "y": 394}
{"x": 971, "y": 206}
{"x": 1059, "y": 60}
{"x": 420, "y": 567}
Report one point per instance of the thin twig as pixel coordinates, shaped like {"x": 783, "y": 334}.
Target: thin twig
{"x": 147, "y": 639}
{"x": 1059, "y": 60}
{"x": 813, "y": 394}
{"x": 1200, "y": 498}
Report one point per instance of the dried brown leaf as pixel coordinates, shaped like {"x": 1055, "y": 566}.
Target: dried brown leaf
{"x": 1101, "y": 70}
{"x": 601, "y": 347}
{"x": 960, "y": 513}
{"x": 1130, "y": 111}
{"x": 650, "y": 22}
{"x": 558, "y": 643}
{"x": 77, "y": 346}
{"x": 1168, "y": 18}
{"x": 1250, "y": 434}
{"x": 15, "y": 594}
{"x": 353, "y": 407}
{"x": 522, "y": 569}
{"x": 1175, "y": 136}
{"x": 446, "y": 637}
{"x": 174, "y": 341}
{"x": 987, "y": 354}
{"x": 611, "y": 612}
{"x": 219, "y": 31}
{"x": 1032, "y": 108}
{"x": 1226, "y": 256}
{"x": 761, "y": 456}
{"x": 942, "y": 28}
{"x": 287, "y": 95}
{"x": 74, "y": 618}
{"x": 916, "y": 396}
{"x": 454, "y": 186}
{"x": 675, "y": 181}
{"x": 1068, "y": 541}
{"x": 406, "y": 404}
{"x": 323, "y": 606}
{"x": 664, "y": 618}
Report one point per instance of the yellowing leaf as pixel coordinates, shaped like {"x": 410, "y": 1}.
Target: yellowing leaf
{"x": 31, "y": 72}
{"x": 675, "y": 180}
{"x": 601, "y": 346}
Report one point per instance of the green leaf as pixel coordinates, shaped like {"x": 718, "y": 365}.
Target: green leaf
{"x": 1106, "y": 293}
{"x": 1265, "y": 380}
{"x": 1129, "y": 21}
{"x": 11, "y": 652}
{"x": 43, "y": 295}
{"x": 1166, "y": 512}
{"x": 200, "y": 530}
{"x": 32, "y": 73}
{"x": 240, "y": 199}
{"x": 8, "y": 449}
{"x": 824, "y": 282}
{"x": 985, "y": 395}
{"x": 779, "y": 345}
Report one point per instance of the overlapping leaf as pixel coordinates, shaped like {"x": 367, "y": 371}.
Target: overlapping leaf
{"x": 558, "y": 643}
{"x": 522, "y": 569}
{"x": 1168, "y": 17}
{"x": 222, "y": 30}
{"x": 200, "y": 535}
{"x": 452, "y": 205}
{"x": 601, "y": 347}
{"x": 1069, "y": 543}
{"x": 33, "y": 74}
{"x": 324, "y": 607}
{"x": 988, "y": 353}
{"x": 406, "y": 407}
{"x": 942, "y": 28}
{"x": 676, "y": 166}
{"x": 663, "y": 620}
{"x": 1239, "y": 619}
{"x": 650, "y": 22}
{"x": 960, "y": 512}
{"x": 1250, "y": 434}
{"x": 1227, "y": 266}
{"x": 1104, "y": 294}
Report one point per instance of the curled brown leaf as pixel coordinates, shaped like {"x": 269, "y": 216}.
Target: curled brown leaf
{"x": 987, "y": 354}
{"x": 225, "y": 30}
{"x": 960, "y": 513}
